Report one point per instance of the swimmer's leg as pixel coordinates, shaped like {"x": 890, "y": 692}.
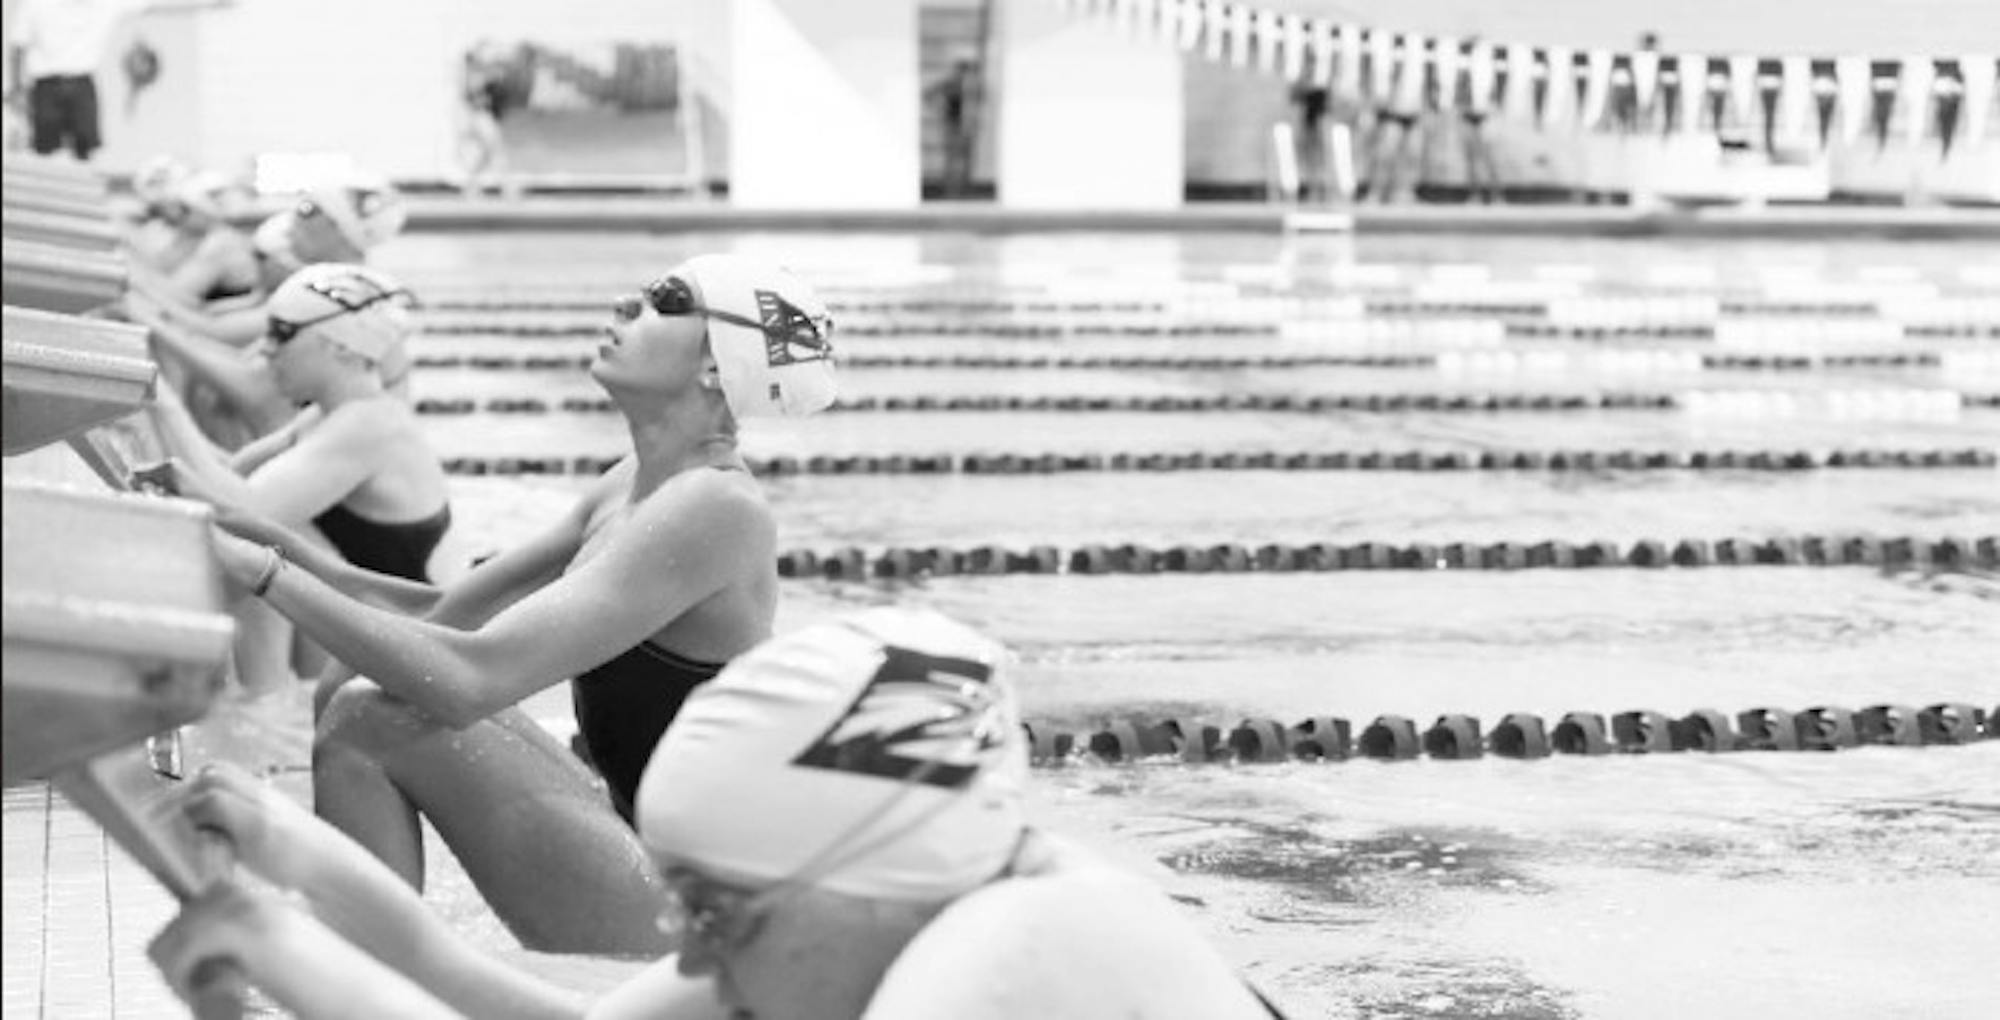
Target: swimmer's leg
{"x": 529, "y": 822}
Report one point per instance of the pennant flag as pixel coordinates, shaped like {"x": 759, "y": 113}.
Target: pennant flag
{"x": 1562, "y": 102}
{"x": 1194, "y": 24}
{"x": 1440, "y": 69}
{"x": 1669, "y": 97}
{"x": 1158, "y": 19}
{"x": 1410, "y": 67}
{"x": 1540, "y": 86}
{"x": 1214, "y": 29}
{"x": 1770, "y": 79}
{"x": 1884, "y": 78}
{"x": 1916, "y": 99}
{"x": 1947, "y": 99}
{"x": 1579, "y": 77}
{"x": 1475, "y": 77}
{"x": 1645, "y": 66}
{"x": 1795, "y": 100}
{"x": 1378, "y": 64}
{"x": 1715, "y": 89}
{"x": 1294, "y": 36}
{"x": 1855, "y": 77}
{"x": 1825, "y": 97}
{"x": 1596, "y": 93}
{"x": 1350, "y": 56}
{"x": 1979, "y": 74}
{"x": 1743, "y": 89}
{"x": 1239, "y": 35}
{"x": 1269, "y": 38}
{"x": 1325, "y": 43}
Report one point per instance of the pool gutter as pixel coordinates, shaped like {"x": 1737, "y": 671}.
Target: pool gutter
{"x": 659, "y": 214}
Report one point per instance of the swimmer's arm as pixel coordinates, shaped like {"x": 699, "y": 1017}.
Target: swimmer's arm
{"x": 682, "y": 545}
{"x": 503, "y": 580}
{"x": 357, "y": 896}
{"x": 207, "y": 474}
{"x": 198, "y": 274}
{"x": 255, "y": 453}
{"x": 236, "y": 327}
{"x": 660, "y": 992}
{"x": 216, "y": 363}
{"x": 411, "y": 598}
{"x": 315, "y": 474}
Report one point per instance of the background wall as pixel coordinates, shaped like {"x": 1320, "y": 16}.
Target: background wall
{"x": 378, "y": 77}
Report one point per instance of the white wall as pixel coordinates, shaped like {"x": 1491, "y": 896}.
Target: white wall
{"x": 372, "y": 78}
{"x": 1089, "y": 115}
{"x": 377, "y": 79}
{"x": 824, "y": 104}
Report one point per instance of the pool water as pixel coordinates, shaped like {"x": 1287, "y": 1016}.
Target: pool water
{"x": 1858, "y": 884}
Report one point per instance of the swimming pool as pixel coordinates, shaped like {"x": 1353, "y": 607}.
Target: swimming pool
{"x": 1857, "y": 884}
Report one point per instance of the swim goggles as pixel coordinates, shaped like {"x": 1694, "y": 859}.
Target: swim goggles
{"x": 282, "y": 331}
{"x": 671, "y": 296}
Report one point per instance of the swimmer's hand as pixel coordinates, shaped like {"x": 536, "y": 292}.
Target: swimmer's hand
{"x": 222, "y": 928}
{"x": 242, "y": 562}
{"x": 265, "y": 831}
{"x": 161, "y": 479}
{"x": 292, "y": 956}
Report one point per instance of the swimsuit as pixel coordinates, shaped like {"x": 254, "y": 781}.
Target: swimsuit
{"x": 623, "y": 706}
{"x": 402, "y": 549}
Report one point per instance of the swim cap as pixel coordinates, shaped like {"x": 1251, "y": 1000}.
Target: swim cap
{"x": 879, "y": 755}
{"x": 203, "y": 191}
{"x": 157, "y": 177}
{"x": 364, "y": 208}
{"x": 374, "y": 309}
{"x": 785, "y": 367}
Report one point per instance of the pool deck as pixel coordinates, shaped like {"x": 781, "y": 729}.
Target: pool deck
{"x": 79, "y": 912}
{"x": 661, "y": 213}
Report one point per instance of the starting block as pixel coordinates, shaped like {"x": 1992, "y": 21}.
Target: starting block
{"x": 54, "y": 278}
{"x": 115, "y": 623}
{"x": 64, "y": 375}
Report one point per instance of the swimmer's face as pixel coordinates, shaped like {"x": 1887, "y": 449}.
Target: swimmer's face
{"x": 793, "y": 953}
{"x": 294, "y": 362}
{"x": 657, "y": 337}
{"x": 315, "y": 237}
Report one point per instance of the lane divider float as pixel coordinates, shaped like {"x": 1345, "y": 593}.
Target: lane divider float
{"x": 1386, "y": 324}
{"x": 1160, "y": 461}
{"x": 1519, "y": 735}
{"x": 1906, "y": 403}
{"x": 1483, "y": 362}
{"x": 853, "y": 563}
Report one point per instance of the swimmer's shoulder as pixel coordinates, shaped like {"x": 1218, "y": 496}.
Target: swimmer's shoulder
{"x": 1078, "y": 937}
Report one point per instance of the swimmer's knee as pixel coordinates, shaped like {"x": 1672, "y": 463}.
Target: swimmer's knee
{"x": 359, "y": 712}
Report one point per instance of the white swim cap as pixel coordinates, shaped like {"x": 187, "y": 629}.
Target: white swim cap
{"x": 358, "y": 308}
{"x": 784, "y": 367}
{"x": 157, "y": 177}
{"x": 203, "y": 191}
{"x": 365, "y": 209}
{"x": 877, "y": 755}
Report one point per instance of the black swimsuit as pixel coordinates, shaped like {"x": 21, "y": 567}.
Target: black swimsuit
{"x": 623, "y": 706}
{"x": 402, "y": 550}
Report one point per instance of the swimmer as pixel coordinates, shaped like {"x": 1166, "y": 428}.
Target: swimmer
{"x": 839, "y": 816}
{"x": 336, "y": 223}
{"x": 355, "y": 463}
{"x": 353, "y": 469}
{"x": 665, "y": 570}
{"x": 208, "y": 259}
